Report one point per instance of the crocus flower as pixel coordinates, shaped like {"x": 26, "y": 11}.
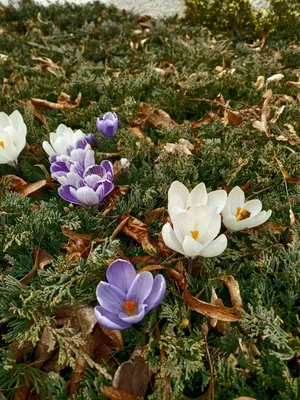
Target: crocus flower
{"x": 127, "y": 297}
{"x": 124, "y": 163}
{"x": 238, "y": 215}
{"x": 108, "y": 124}
{"x": 61, "y": 140}
{"x": 180, "y": 199}
{"x": 12, "y": 137}
{"x": 194, "y": 233}
{"x": 91, "y": 139}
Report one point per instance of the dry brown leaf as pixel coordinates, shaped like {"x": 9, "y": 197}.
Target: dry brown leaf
{"x": 277, "y": 114}
{"x": 144, "y": 260}
{"x": 32, "y": 188}
{"x": 260, "y": 81}
{"x": 293, "y": 84}
{"x": 138, "y": 231}
{"x": 152, "y": 268}
{"x": 244, "y": 398}
{"x": 210, "y": 310}
{"x": 133, "y": 376}
{"x": 232, "y": 118}
{"x": 234, "y": 290}
{"x": 45, "y": 348}
{"x": 150, "y": 116}
{"x": 286, "y": 176}
{"x": 118, "y": 191}
{"x": 46, "y": 64}
{"x": 158, "y": 213}
{"x": 14, "y": 183}
{"x": 41, "y": 260}
{"x": 115, "y": 336}
{"x": 290, "y": 136}
{"x": 138, "y": 133}
{"x": 37, "y": 114}
{"x": 262, "y": 125}
{"x": 23, "y": 393}
{"x": 116, "y": 394}
{"x": 63, "y": 102}
{"x": 276, "y": 228}
{"x": 79, "y": 244}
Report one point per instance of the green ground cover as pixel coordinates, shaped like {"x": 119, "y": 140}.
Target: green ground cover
{"x": 207, "y": 82}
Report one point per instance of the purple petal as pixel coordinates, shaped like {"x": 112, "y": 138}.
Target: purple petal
{"x": 80, "y": 183}
{"x": 93, "y": 181}
{"x": 103, "y": 189}
{"x": 89, "y": 158}
{"x": 157, "y": 293}
{"x": 140, "y": 288}
{"x": 78, "y": 155}
{"x": 91, "y": 139}
{"x": 68, "y": 193}
{"x": 106, "y": 127}
{"x": 121, "y": 274}
{"x": 108, "y": 170}
{"x": 133, "y": 319}
{"x": 87, "y": 196}
{"x": 77, "y": 168}
{"x": 93, "y": 170}
{"x": 58, "y": 166}
{"x": 81, "y": 144}
{"x": 109, "y": 320}
{"x": 53, "y": 158}
{"x": 110, "y": 297}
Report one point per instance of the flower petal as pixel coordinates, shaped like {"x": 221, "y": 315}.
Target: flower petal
{"x": 109, "y": 320}
{"x": 68, "y": 193}
{"x": 253, "y": 206}
{"x": 236, "y": 199}
{"x": 110, "y": 297}
{"x": 259, "y": 219}
{"x": 121, "y": 274}
{"x": 177, "y": 198}
{"x": 198, "y": 196}
{"x": 218, "y": 199}
{"x": 170, "y": 238}
{"x": 133, "y": 319}
{"x": 87, "y": 196}
{"x": 215, "y": 248}
{"x": 157, "y": 293}
{"x": 191, "y": 247}
{"x": 140, "y": 287}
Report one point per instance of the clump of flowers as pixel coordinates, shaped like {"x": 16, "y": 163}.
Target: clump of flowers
{"x": 108, "y": 124}
{"x": 61, "y": 139}
{"x": 82, "y": 181}
{"x": 127, "y": 296}
{"x": 13, "y": 133}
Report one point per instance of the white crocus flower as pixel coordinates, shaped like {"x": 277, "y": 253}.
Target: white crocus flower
{"x": 61, "y": 140}
{"x": 180, "y": 199}
{"x": 194, "y": 233}
{"x": 125, "y": 163}
{"x": 12, "y": 137}
{"x": 238, "y": 215}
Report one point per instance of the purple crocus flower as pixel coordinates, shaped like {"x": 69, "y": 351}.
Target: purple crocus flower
{"x": 108, "y": 124}
{"x": 128, "y": 296}
{"x": 91, "y": 139}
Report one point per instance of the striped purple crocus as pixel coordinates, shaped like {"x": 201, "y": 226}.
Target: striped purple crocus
{"x": 127, "y": 296}
{"x": 82, "y": 181}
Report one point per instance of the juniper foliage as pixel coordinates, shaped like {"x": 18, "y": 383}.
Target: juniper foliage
{"x": 100, "y": 52}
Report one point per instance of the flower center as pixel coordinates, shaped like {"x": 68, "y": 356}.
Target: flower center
{"x": 2, "y": 144}
{"x": 241, "y": 214}
{"x": 189, "y": 207}
{"x": 129, "y": 307}
{"x": 195, "y": 234}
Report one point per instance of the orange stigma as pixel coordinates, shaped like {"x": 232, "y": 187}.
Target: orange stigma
{"x": 2, "y": 144}
{"x": 195, "y": 234}
{"x": 129, "y": 307}
{"x": 241, "y": 214}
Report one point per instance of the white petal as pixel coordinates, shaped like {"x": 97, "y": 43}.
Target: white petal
{"x": 198, "y": 196}
{"x": 183, "y": 225}
{"x": 253, "y": 206}
{"x": 180, "y": 193}
{"x": 18, "y": 123}
{"x": 259, "y": 219}
{"x": 236, "y": 199}
{"x": 48, "y": 148}
{"x": 4, "y": 120}
{"x": 233, "y": 225}
{"x": 76, "y": 136}
{"x": 170, "y": 239}
{"x": 60, "y": 145}
{"x": 191, "y": 247}
{"x": 215, "y": 248}
{"x": 218, "y": 199}
{"x": 202, "y": 216}
{"x": 212, "y": 230}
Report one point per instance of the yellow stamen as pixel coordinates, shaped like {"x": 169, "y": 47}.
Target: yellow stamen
{"x": 195, "y": 234}
{"x": 129, "y": 307}
{"x": 241, "y": 214}
{"x": 2, "y": 144}
{"x": 189, "y": 207}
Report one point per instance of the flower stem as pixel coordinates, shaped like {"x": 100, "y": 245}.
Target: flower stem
{"x": 17, "y": 168}
{"x": 190, "y": 265}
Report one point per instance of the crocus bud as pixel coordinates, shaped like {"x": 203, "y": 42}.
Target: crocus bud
{"x": 125, "y": 163}
{"x": 108, "y": 124}
{"x": 91, "y": 139}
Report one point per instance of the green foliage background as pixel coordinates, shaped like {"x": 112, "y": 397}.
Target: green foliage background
{"x": 101, "y": 55}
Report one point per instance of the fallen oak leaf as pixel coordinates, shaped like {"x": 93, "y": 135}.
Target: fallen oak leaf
{"x": 232, "y": 118}
{"x": 210, "y": 310}
{"x": 117, "y": 394}
{"x": 63, "y": 102}
{"x": 79, "y": 244}
{"x": 138, "y": 231}
{"x": 150, "y": 116}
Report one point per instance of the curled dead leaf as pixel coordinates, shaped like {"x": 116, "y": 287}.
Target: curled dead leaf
{"x": 286, "y": 176}
{"x": 293, "y": 84}
{"x": 79, "y": 244}
{"x": 213, "y": 311}
{"x": 138, "y": 231}
{"x": 139, "y": 134}
{"x": 115, "y": 336}
{"x": 232, "y": 118}
{"x": 116, "y": 394}
{"x": 41, "y": 260}
{"x": 63, "y": 102}
{"x": 150, "y": 116}
{"x": 260, "y": 81}
{"x": 234, "y": 290}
